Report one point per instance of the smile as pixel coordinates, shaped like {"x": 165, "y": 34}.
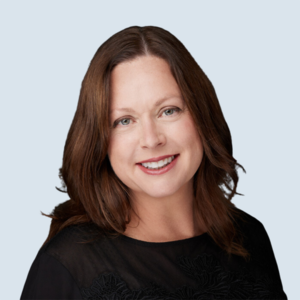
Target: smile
{"x": 159, "y": 167}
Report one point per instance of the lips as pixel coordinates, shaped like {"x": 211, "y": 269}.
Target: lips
{"x": 156, "y": 159}
{"x": 159, "y": 171}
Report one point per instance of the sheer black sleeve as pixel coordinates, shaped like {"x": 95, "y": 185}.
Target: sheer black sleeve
{"x": 263, "y": 260}
{"x": 270, "y": 262}
{"x": 49, "y": 279}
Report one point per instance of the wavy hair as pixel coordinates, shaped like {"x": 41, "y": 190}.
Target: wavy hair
{"x": 96, "y": 194}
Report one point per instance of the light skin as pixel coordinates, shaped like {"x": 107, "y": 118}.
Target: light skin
{"x": 164, "y": 203}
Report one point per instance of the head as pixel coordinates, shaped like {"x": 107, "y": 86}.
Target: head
{"x": 149, "y": 119}
{"x": 135, "y": 68}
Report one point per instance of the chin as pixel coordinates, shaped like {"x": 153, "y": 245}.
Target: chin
{"x": 156, "y": 192}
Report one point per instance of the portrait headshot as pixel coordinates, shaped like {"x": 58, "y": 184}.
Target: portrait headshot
{"x": 151, "y": 150}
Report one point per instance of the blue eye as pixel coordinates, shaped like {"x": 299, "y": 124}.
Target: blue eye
{"x": 123, "y": 120}
{"x": 172, "y": 110}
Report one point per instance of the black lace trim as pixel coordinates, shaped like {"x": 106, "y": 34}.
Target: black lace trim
{"x": 213, "y": 282}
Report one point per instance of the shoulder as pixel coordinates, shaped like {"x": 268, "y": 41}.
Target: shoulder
{"x": 254, "y": 234}
{"x": 70, "y": 236}
{"x": 48, "y": 278}
{"x": 63, "y": 263}
{"x": 247, "y": 223}
{"x": 71, "y": 241}
{"x": 51, "y": 274}
{"x": 81, "y": 249}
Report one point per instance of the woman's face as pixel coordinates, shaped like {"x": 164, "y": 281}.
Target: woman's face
{"x": 150, "y": 120}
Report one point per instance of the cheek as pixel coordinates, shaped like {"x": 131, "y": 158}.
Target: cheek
{"x": 119, "y": 151}
{"x": 113, "y": 151}
{"x": 188, "y": 135}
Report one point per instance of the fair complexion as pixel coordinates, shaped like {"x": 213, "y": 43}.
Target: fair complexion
{"x": 156, "y": 123}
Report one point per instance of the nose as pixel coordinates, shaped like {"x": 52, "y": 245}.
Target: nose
{"x": 151, "y": 135}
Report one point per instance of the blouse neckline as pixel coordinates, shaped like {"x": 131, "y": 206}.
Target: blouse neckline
{"x": 168, "y": 243}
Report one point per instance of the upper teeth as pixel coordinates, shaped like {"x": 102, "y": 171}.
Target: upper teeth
{"x": 158, "y": 164}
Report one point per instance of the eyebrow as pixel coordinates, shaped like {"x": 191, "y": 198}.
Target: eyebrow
{"x": 157, "y": 103}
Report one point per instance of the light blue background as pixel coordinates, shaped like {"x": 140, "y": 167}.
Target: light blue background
{"x": 248, "y": 49}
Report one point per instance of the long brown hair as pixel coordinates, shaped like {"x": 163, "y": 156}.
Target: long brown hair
{"x": 96, "y": 193}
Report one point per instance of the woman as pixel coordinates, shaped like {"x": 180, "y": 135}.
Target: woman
{"x": 149, "y": 170}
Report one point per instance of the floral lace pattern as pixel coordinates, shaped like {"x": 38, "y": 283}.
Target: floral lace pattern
{"x": 213, "y": 282}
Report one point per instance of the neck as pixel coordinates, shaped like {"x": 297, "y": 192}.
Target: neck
{"x": 164, "y": 219}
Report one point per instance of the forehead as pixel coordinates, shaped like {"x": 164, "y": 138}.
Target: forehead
{"x": 145, "y": 80}
{"x": 156, "y": 104}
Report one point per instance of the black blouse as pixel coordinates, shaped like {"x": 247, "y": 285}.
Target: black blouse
{"x": 78, "y": 263}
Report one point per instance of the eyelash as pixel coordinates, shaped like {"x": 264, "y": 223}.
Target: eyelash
{"x": 177, "y": 109}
